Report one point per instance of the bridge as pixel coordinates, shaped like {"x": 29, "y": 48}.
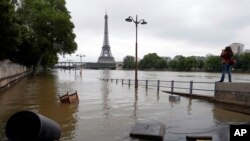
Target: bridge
{"x": 88, "y": 65}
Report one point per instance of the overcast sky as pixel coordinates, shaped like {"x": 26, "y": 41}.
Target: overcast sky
{"x": 175, "y": 27}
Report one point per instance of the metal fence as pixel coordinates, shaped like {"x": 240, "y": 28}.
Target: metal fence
{"x": 187, "y": 87}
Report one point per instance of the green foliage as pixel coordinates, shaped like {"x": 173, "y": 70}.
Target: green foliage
{"x": 9, "y": 30}
{"x": 152, "y": 61}
{"x": 181, "y": 63}
{"x": 128, "y": 62}
{"x": 243, "y": 62}
{"x": 213, "y": 63}
{"x": 191, "y": 63}
{"x": 47, "y": 31}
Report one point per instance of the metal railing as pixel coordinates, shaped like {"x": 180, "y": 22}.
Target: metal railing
{"x": 187, "y": 87}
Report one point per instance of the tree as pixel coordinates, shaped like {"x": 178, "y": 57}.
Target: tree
{"x": 243, "y": 61}
{"x": 201, "y": 63}
{"x": 47, "y": 24}
{"x": 9, "y": 30}
{"x": 128, "y": 62}
{"x": 152, "y": 61}
{"x": 173, "y": 64}
{"x": 191, "y": 63}
{"x": 213, "y": 63}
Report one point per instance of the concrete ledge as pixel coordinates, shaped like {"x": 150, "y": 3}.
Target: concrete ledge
{"x": 235, "y": 93}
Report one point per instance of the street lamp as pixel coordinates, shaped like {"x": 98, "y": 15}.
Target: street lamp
{"x": 136, "y": 21}
{"x": 81, "y": 55}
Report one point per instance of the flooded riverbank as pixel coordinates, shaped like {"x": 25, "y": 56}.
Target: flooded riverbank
{"x": 107, "y": 111}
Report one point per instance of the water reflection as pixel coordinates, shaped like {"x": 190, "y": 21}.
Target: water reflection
{"x": 135, "y": 113}
{"x": 174, "y": 100}
{"x": 158, "y": 95}
{"x": 49, "y": 104}
{"x": 231, "y": 117}
{"x": 39, "y": 94}
{"x": 189, "y": 107}
{"x": 105, "y": 94}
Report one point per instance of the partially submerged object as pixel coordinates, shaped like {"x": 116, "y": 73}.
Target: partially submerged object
{"x": 199, "y": 138}
{"x": 69, "y": 98}
{"x": 154, "y": 131}
{"x": 30, "y": 126}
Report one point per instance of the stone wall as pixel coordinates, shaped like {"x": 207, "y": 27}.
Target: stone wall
{"x": 235, "y": 93}
{"x": 11, "y": 73}
{"x": 8, "y": 68}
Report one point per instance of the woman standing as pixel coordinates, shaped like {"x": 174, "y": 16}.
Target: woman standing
{"x": 227, "y": 62}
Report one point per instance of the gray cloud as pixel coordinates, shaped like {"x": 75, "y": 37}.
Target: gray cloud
{"x": 173, "y": 26}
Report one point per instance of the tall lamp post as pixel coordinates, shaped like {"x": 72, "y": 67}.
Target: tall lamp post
{"x": 136, "y": 21}
{"x": 81, "y": 55}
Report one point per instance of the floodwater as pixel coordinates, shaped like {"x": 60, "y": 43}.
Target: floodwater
{"x": 108, "y": 111}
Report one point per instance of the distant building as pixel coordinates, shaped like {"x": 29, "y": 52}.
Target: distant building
{"x": 247, "y": 50}
{"x": 237, "y": 48}
{"x": 106, "y": 56}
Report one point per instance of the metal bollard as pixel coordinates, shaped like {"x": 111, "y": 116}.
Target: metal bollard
{"x": 30, "y": 126}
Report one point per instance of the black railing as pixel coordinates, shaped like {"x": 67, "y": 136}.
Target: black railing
{"x": 188, "y": 87}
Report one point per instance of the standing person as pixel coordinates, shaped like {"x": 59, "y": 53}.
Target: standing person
{"x": 227, "y": 62}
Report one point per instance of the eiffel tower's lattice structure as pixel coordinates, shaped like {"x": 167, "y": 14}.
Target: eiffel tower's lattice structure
{"x": 106, "y": 55}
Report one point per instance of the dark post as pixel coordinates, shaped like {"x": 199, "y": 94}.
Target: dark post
{"x": 191, "y": 87}
{"x": 158, "y": 85}
{"x": 136, "y": 63}
{"x": 146, "y": 84}
{"x": 116, "y": 81}
{"x": 129, "y": 82}
{"x": 172, "y": 86}
{"x": 136, "y": 21}
{"x": 122, "y": 82}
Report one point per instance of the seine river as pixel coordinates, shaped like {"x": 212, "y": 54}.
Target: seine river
{"x": 107, "y": 110}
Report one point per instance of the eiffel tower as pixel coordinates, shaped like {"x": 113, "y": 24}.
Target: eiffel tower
{"x": 106, "y": 55}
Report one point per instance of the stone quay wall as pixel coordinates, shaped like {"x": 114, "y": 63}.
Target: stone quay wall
{"x": 235, "y": 93}
{"x": 11, "y": 73}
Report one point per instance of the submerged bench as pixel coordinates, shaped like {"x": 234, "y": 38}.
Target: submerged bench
{"x": 69, "y": 98}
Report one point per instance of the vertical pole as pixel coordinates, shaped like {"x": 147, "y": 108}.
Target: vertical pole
{"x": 129, "y": 82}
{"x": 158, "y": 85}
{"x": 111, "y": 80}
{"x": 191, "y": 87}
{"x": 172, "y": 86}
{"x": 75, "y": 68}
{"x": 122, "y": 82}
{"x": 146, "y": 84}
{"x": 116, "y": 81}
{"x": 136, "y": 63}
{"x": 81, "y": 65}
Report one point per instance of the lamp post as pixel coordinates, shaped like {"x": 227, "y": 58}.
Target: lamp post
{"x": 136, "y": 21}
{"x": 81, "y": 55}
